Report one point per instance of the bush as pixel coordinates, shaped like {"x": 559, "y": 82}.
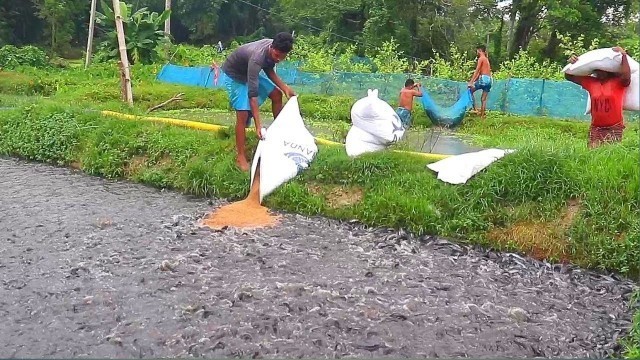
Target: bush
{"x": 525, "y": 66}
{"x": 22, "y": 84}
{"x": 12, "y": 57}
{"x": 457, "y": 68}
{"x": 188, "y": 55}
{"x": 40, "y": 135}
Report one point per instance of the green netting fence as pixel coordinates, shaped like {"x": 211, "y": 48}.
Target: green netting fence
{"x": 536, "y": 97}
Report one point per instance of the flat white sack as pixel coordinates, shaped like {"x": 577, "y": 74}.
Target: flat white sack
{"x": 359, "y": 142}
{"x": 288, "y": 148}
{"x": 631, "y": 97}
{"x": 600, "y": 59}
{"x": 376, "y": 117}
{"x": 460, "y": 168}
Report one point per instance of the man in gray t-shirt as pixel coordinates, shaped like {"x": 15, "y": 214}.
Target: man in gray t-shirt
{"x": 248, "y": 86}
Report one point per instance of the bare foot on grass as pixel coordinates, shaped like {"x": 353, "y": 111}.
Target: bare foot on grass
{"x": 242, "y": 164}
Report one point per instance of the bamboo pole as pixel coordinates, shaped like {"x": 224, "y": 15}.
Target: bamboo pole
{"x": 92, "y": 20}
{"x": 122, "y": 46}
{"x": 123, "y": 82}
{"x": 167, "y": 23}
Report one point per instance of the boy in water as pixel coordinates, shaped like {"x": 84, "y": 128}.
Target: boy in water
{"x": 481, "y": 78}
{"x": 248, "y": 86}
{"x": 607, "y": 92}
{"x": 405, "y": 105}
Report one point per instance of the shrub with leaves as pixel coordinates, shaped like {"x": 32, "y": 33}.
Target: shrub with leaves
{"x": 631, "y": 45}
{"x": 525, "y": 66}
{"x": 312, "y": 54}
{"x": 459, "y": 67}
{"x": 35, "y": 134}
{"x": 570, "y": 46}
{"x": 347, "y": 62}
{"x": 389, "y": 59}
{"x": 12, "y": 57}
{"x": 143, "y": 33}
{"x": 189, "y": 55}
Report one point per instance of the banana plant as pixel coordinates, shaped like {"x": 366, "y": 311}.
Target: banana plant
{"x": 143, "y": 32}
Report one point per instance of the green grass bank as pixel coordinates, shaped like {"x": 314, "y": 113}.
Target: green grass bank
{"x": 552, "y": 199}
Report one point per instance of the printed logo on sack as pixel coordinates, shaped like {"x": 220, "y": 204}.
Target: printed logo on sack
{"x": 397, "y": 127}
{"x": 301, "y": 161}
{"x": 397, "y": 124}
{"x": 298, "y": 154}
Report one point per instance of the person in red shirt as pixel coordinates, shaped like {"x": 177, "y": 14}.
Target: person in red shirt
{"x": 607, "y": 95}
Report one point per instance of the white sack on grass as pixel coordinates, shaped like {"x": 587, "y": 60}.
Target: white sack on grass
{"x": 460, "y": 168}
{"x": 375, "y": 125}
{"x": 288, "y": 148}
{"x": 599, "y": 59}
{"x": 359, "y": 142}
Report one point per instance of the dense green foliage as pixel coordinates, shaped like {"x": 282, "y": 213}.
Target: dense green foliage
{"x": 12, "y": 57}
{"x": 421, "y": 29}
{"x": 143, "y": 33}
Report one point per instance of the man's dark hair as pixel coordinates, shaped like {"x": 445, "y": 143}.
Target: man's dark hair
{"x": 482, "y": 47}
{"x": 283, "y": 42}
{"x": 409, "y": 82}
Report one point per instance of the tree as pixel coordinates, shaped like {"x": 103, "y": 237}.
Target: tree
{"x": 56, "y": 14}
{"x": 572, "y": 16}
{"x": 344, "y": 17}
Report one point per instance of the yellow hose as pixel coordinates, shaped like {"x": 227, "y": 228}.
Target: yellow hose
{"x": 217, "y": 128}
{"x": 185, "y": 123}
{"x": 428, "y": 156}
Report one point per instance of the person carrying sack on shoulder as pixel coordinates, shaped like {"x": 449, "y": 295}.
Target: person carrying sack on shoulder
{"x": 607, "y": 92}
{"x": 250, "y": 80}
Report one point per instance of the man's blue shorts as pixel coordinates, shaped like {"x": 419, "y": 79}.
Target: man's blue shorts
{"x": 239, "y": 93}
{"x": 405, "y": 116}
{"x": 483, "y": 83}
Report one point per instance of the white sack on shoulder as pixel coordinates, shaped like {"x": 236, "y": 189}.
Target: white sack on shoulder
{"x": 599, "y": 59}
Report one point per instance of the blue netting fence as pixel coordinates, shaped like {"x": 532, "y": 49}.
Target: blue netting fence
{"x": 537, "y": 97}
